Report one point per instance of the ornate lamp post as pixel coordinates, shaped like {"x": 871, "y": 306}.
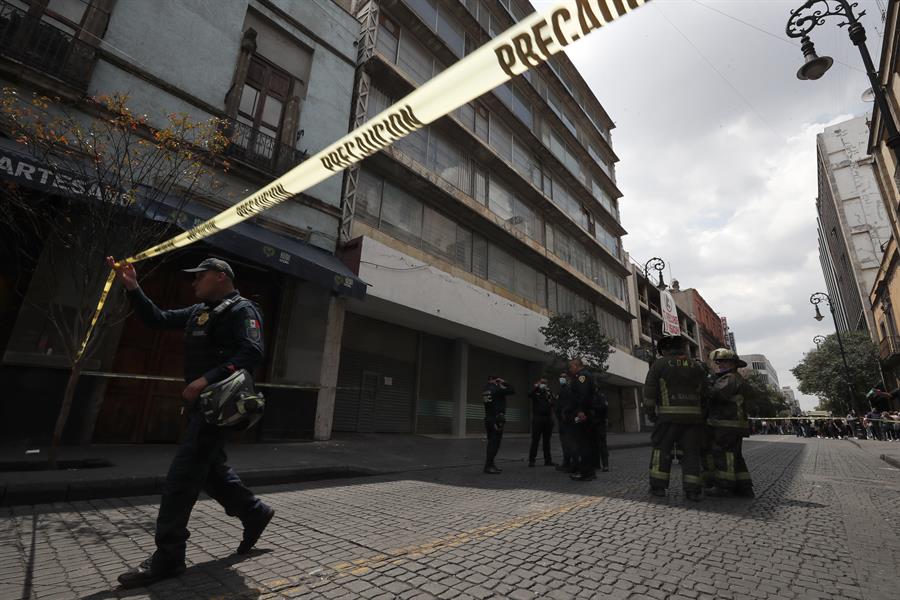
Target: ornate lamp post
{"x": 812, "y": 14}
{"x": 819, "y": 340}
{"x": 659, "y": 265}
{"x": 816, "y": 299}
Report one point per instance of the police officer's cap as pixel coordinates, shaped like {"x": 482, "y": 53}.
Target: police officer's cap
{"x": 212, "y": 264}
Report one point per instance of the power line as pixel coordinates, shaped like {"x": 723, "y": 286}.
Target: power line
{"x": 717, "y": 72}
{"x": 780, "y": 38}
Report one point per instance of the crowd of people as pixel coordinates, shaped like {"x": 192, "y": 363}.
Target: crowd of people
{"x": 874, "y": 425}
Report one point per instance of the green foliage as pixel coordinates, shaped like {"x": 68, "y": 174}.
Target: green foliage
{"x": 765, "y": 401}
{"x": 821, "y": 372}
{"x": 570, "y": 336}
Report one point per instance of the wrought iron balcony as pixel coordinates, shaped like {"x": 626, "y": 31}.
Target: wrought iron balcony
{"x": 261, "y": 150}
{"x": 45, "y": 48}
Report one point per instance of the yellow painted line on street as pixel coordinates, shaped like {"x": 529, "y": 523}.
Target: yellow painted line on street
{"x": 397, "y": 556}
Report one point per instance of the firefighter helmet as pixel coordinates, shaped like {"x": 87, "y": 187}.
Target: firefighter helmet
{"x": 726, "y": 354}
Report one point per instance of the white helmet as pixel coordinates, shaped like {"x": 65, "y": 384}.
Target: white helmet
{"x": 232, "y": 402}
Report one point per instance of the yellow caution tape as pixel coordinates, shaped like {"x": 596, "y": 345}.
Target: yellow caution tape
{"x": 526, "y": 44}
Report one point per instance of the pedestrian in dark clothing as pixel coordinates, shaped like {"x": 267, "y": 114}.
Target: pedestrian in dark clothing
{"x": 565, "y": 416}
{"x": 600, "y": 418}
{"x": 585, "y": 424}
{"x": 541, "y": 421}
{"x": 494, "y": 397}
{"x": 223, "y": 334}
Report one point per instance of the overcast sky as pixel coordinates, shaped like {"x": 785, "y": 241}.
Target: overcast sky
{"x": 716, "y": 140}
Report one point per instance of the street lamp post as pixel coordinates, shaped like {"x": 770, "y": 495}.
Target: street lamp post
{"x": 815, "y": 300}
{"x": 659, "y": 265}
{"x": 812, "y": 14}
{"x": 818, "y": 341}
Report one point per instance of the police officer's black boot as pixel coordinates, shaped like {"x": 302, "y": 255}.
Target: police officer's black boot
{"x": 147, "y": 573}
{"x": 490, "y": 469}
{"x": 253, "y": 528}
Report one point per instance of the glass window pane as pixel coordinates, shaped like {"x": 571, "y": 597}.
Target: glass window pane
{"x": 521, "y": 107}
{"x": 248, "y": 101}
{"x": 439, "y": 234}
{"x": 271, "y": 112}
{"x": 463, "y": 248}
{"x": 501, "y": 139}
{"x": 481, "y": 122}
{"x": 526, "y": 281}
{"x": 451, "y": 32}
{"x": 414, "y": 59}
{"x": 500, "y": 199}
{"x": 501, "y": 267}
{"x": 401, "y": 214}
{"x": 479, "y": 256}
{"x": 368, "y": 197}
{"x": 481, "y": 185}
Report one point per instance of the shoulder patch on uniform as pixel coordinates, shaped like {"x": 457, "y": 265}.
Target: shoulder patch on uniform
{"x": 252, "y": 326}
{"x": 582, "y": 378}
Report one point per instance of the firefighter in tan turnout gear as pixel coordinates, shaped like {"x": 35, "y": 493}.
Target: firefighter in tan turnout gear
{"x": 673, "y": 399}
{"x": 727, "y": 418}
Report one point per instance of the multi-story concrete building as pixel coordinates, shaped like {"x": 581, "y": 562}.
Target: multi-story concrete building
{"x": 473, "y": 231}
{"x": 281, "y": 75}
{"x": 710, "y": 332}
{"x": 760, "y": 364}
{"x": 648, "y": 327}
{"x": 853, "y": 224}
{"x": 791, "y": 399}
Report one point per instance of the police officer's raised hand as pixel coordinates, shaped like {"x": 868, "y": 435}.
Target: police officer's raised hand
{"x": 192, "y": 391}
{"x": 124, "y": 272}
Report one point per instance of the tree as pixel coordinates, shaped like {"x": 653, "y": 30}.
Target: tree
{"x": 821, "y": 372}
{"x": 112, "y": 185}
{"x": 569, "y": 336}
{"x": 765, "y": 401}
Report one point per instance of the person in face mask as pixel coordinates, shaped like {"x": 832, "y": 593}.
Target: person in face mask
{"x": 541, "y": 421}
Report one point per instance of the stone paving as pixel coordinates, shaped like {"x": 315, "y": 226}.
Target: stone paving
{"x": 824, "y": 525}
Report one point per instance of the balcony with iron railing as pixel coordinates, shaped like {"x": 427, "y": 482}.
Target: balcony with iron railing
{"x": 44, "y": 47}
{"x": 260, "y": 150}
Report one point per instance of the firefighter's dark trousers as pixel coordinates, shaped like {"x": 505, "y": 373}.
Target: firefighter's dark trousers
{"x": 687, "y": 436}
{"x": 731, "y": 470}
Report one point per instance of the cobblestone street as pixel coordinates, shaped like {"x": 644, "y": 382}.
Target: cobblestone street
{"x": 824, "y": 525}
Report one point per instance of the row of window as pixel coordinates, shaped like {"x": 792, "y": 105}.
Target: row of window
{"x": 492, "y": 130}
{"x": 398, "y": 213}
{"x": 402, "y": 49}
{"x": 440, "y": 155}
{"x": 482, "y": 14}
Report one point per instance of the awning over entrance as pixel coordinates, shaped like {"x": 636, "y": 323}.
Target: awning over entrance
{"x": 254, "y": 242}
{"x": 276, "y": 251}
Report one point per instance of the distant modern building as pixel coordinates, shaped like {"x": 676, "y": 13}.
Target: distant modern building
{"x": 760, "y": 364}
{"x": 853, "y": 223}
{"x": 791, "y": 399}
{"x": 710, "y": 332}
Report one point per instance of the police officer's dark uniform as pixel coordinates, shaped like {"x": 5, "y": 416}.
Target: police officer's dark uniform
{"x": 220, "y": 338}
{"x": 727, "y": 417}
{"x": 565, "y": 417}
{"x": 494, "y": 397}
{"x": 673, "y": 398}
{"x": 585, "y": 430}
{"x": 599, "y": 418}
{"x": 541, "y": 422}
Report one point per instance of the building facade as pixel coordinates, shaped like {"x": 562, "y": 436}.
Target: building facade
{"x": 791, "y": 399}
{"x": 852, "y": 221}
{"x": 758, "y": 363}
{"x": 280, "y": 75}
{"x": 473, "y": 231}
{"x": 884, "y": 297}
{"x": 710, "y": 331}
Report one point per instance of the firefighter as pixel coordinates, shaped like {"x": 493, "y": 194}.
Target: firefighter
{"x": 673, "y": 399}
{"x": 727, "y": 417}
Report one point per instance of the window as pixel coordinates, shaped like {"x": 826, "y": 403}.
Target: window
{"x": 368, "y": 197}
{"x": 501, "y": 267}
{"x": 451, "y": 32}
{"x": 401, "y": 214}
{"x": 500, "y": 199}
{"x": 388, "y": 41}
{"x": 415, "y": 59}
{"x": 265, "y": 93}
{"x": 501, "y": 139}
{"x": 521, "y": 107}
{"x": 480, "y": 180}
{"x": 481, "y": 122}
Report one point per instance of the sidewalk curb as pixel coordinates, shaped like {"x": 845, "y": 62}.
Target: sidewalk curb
{"x": 47, "y": 492}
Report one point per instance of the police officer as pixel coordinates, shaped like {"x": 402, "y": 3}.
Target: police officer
{"x": 673, "y": 398}
{"x": 728, "y": 420}
{"x": 494, "y": 397}
{"x": 541, "y": 421}
{"x": 585, "y": 423}
{"x": 565, "y": 416}
{"x": 599, "y": 418}
{"x": 223, "y": 334}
